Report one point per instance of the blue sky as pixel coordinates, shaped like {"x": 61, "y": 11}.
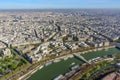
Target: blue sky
{"x": 31, "y": 4}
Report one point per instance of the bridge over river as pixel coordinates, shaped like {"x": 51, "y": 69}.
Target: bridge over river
{"x": 81, "y": 57}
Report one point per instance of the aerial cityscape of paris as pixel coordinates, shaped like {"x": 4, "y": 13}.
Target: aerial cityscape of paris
{"x": 60, "y": 40}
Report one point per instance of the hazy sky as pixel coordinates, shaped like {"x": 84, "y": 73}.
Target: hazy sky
{"x": 20, "y": 4}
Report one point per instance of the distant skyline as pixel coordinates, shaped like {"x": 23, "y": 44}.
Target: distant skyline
{"x": 41, "y": 4}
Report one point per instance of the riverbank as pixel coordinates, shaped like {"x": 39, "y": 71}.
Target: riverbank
{"x": 31, "y": 72}
{"x": 99, "y": 49}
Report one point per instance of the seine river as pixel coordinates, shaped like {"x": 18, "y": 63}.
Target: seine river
{"x": 55, "y": 69}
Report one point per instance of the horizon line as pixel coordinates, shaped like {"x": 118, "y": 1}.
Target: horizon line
{"x": 51, "y": 8}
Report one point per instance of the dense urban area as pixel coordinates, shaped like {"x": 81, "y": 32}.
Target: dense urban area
{"x": 36, "y": 41}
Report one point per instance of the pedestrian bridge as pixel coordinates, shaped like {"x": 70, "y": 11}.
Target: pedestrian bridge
{"x": 81, "y": 57}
